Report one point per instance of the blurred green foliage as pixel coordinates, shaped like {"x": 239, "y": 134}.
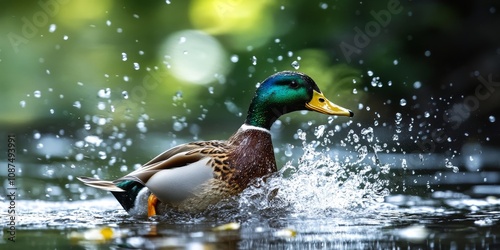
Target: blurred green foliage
{"x": 57, "y": 56}
{"x": 69, "y": 50}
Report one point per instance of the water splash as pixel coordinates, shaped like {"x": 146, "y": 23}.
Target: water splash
{"x": 322, "y": 183}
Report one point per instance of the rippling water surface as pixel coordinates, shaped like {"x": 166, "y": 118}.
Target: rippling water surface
{"x": 448, "y": 220}
{"x": 327, "y": 199}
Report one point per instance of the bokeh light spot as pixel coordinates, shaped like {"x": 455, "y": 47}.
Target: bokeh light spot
{"x": 194, "y": 56}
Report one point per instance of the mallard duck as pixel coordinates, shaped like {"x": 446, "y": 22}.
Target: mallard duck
{"x": 192, "y": 176}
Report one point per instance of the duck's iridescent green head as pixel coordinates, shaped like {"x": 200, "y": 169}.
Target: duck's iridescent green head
{"x": 285, "y": 92}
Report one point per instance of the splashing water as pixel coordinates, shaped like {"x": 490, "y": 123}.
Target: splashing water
{"x": 323, "y": 183}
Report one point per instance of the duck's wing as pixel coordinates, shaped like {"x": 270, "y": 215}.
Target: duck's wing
{"x": 172, "y": 176}
{"x": 178, "y": 173}
{"x": 190, "y": 154}
{"x": 100, "y": 184}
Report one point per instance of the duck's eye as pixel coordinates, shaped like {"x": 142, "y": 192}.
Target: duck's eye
{"x": 294, "y": 84}
{"x": 321, "y": 99}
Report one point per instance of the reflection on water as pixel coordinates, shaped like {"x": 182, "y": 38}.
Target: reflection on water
{"x": 447, "y": 220}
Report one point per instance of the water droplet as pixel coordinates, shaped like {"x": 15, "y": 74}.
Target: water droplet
{"x": 254, "y": 60}
{"x": 211, "y": 90}
{"x": 79, "y": 157}
{"x": 124, "y": 56}
{"x": 301, "y": 135}
{"x": 125, "y": 94}
{"x": 102, "y": 155}
{"x": 368, "y": 132}
{"x": 399, "y": 117}
{"x": 177, "y": 126}
{"x": 295, "y": 65}
{"x": 402, "y": 102}
{"x": 289, "y": 53}
{"x": 370, "y": 73}
{"x": 354, "y": 91}
{"x": 319, "y": 131}
{"x": 65, "y": 37}
{"x": 77, "y": 104}
{"x": 101, "y": 105}
{"x": 136, "y": 66}
{"x": 37, "y": 94}
{"x": 104, "y": 93}
{"x": 417, "y": 85}
{"x": 177, "y": 96}
{"x": 234, "y": 58}
{"x": 492, "y": 119}
{"x": 168, "y": 2}
{"x": 52, "y": 28}
{"x": 22, "y": 103}
{"x": 142, "y": 127}
{"x": 427, "y": 53}
{"x": 427, "y": 114}
{"x": 323, "y": 6}
{"x": 395, "y": 62}
{"x": 108, "y": 23}
{"x": 449, "y": 164}
{"x": 99, "y": 120}
{"x": 124, "y": 168}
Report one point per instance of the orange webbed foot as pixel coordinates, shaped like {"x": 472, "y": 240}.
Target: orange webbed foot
{"x": 152, "y": 201}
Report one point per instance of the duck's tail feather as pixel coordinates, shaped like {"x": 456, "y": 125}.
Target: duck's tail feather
{"x": 101, "y": 184}
{"x": 125, "y": 191}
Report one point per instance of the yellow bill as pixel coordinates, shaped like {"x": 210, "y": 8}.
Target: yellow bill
{"x": 320, "y": 104}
